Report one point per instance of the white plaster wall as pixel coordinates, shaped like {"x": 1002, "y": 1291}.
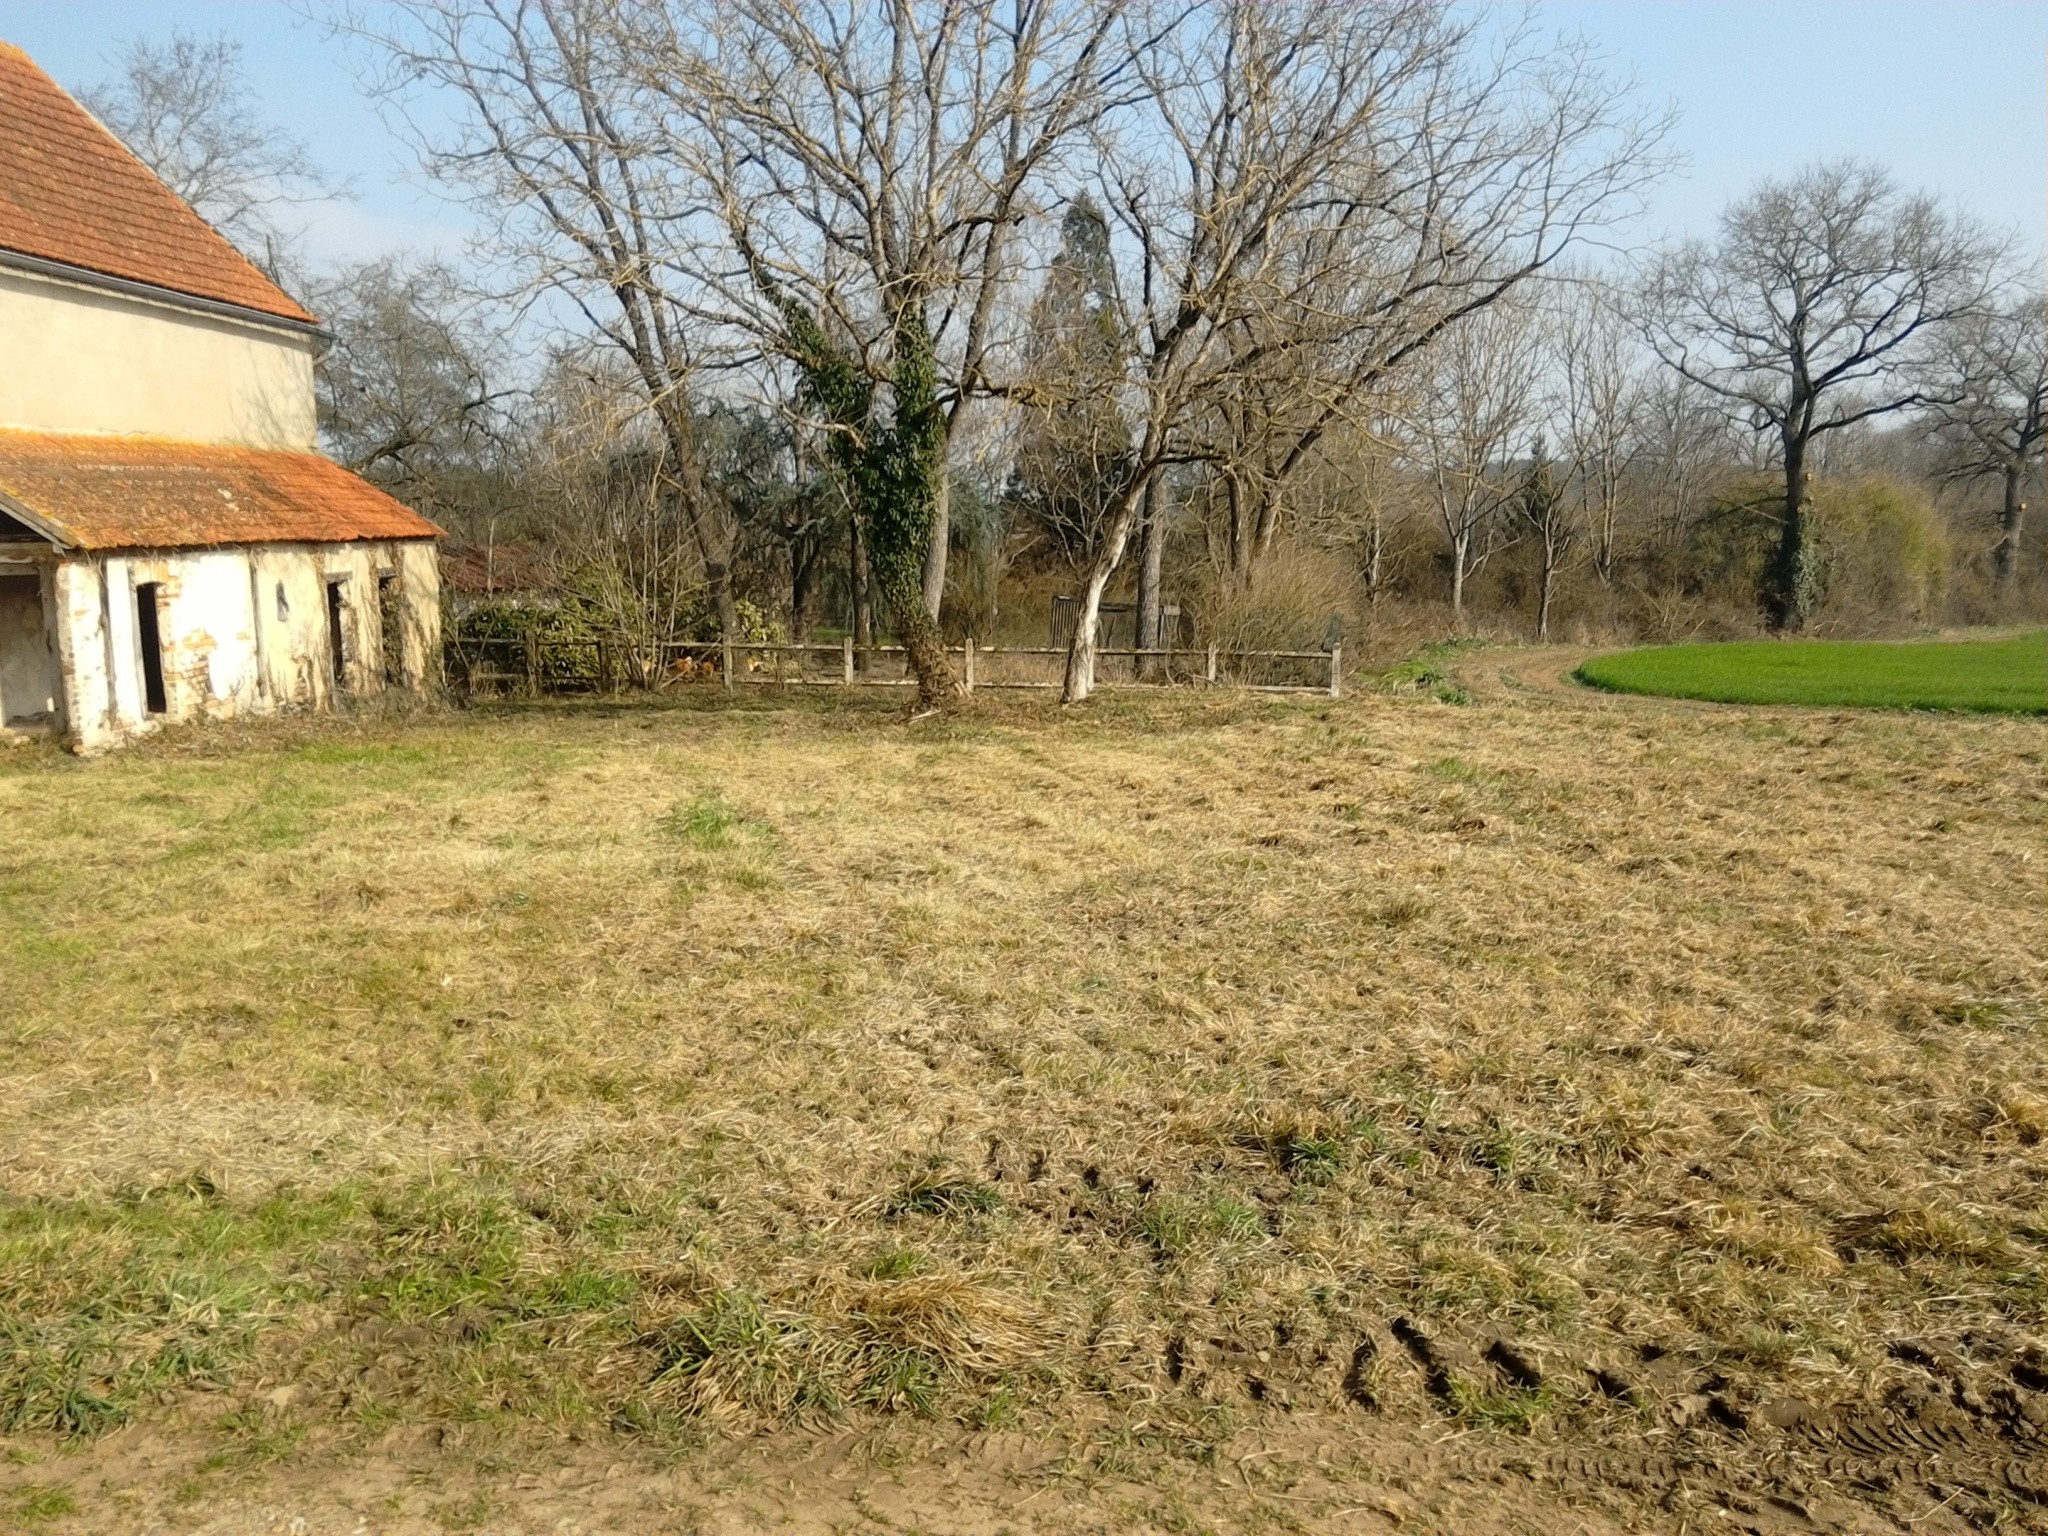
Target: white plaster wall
{"x": 81, "y": 359}
{"x": 82, "y": 652}
{"x": 229, "y": 647}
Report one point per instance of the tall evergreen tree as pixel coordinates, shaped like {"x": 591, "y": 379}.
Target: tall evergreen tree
{"x": 1074, "y": 451}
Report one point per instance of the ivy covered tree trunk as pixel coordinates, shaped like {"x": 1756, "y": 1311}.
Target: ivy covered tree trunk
{"x": 894, "y": 470}
{"x": 907, "y": 474}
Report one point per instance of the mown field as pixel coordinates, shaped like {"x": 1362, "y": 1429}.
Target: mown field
{"x": 1582, "y": 1073}
{"x": 2007, "y": 675}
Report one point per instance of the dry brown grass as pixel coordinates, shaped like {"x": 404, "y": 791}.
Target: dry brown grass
{"x": 723, "y": 1064}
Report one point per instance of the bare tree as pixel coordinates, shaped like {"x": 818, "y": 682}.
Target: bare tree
{"x": 1305, "y": 199}
{"x": 559, "y": 146}
{"x": 1071, "y": 442}
{"x": 1471, "y": 412}
{"x": 1991, "y": 374}
{"x": 1545, "y": 508}
{"x": 1601, "y": 386}
{"x": 1685, "y": 448}
{"x": 407, "y": 387}
{"x": 862, "y": 176}
{"x": 1810, "y": 313}
{"x": 595, "y": 475}
{"x": 184, "y": 108}
{"x": 1357, "y": 496}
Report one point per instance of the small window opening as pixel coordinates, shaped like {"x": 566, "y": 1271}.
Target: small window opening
{"x": 391, "y": 628}
{"x": 149, "y": 633}
{"x": 337, "y": 630}
{"x": 284, "y": 607}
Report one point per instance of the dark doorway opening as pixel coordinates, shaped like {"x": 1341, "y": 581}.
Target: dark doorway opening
{"x": 28, "y": 666}
{"x": 149, "y": 633}
{"x": 391, "y": 627}
{"x": 337, "y": 631}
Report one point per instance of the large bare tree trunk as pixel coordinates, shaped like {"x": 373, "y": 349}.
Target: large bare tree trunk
{"x": 803, "y": 567}
{"x": 711, "y": 533}
{"x": 1789, "y": 598}
{"x": 1151, "y": 570}
{"x": 937, "y": 550}
{"x": 1080, "y": 678}
{"x": 1549, "y": 581}
{"x": 719, "y": 574}
{"x": 2005, "y": 558}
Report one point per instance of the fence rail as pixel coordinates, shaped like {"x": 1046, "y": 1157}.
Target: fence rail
{"x": 535, "y": 666}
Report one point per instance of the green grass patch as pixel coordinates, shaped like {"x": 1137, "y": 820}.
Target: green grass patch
{"x": 1990, "y": 676}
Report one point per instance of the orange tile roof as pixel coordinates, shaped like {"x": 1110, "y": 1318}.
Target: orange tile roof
{"x": 71, "y": 192}
{"x": 96, "y": 493}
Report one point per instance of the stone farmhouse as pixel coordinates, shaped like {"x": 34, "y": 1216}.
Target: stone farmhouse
{"x": 172, "y": 547}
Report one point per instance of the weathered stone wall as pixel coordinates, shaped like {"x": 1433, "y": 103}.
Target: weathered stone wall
{"x": 243, "y": 631}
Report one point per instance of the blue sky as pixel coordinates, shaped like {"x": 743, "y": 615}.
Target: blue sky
{"x": 1953, "y": 96}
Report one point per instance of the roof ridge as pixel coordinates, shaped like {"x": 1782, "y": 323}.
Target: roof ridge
{"x": 71, "y": 192}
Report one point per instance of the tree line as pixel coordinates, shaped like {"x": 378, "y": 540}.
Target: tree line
{"x": 887, "y": 314}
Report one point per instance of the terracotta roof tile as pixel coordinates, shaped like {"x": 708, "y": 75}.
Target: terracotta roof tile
{"x": 71, "y": 192}
{"x": 98, "y": 493}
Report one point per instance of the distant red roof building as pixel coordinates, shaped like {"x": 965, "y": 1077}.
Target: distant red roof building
{"x": 111, "y": 493}
{"x": 72, "y": 193}
{"x": 492, "y": 570}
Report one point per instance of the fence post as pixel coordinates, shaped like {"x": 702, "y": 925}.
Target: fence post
{"x": 1337, "y": 670}
{"x": 1210, "y": 675}
{"x": 533, "y": 663}
{"x": 728, "y": 661}
{"x": 968, "y": 660}
{"x": 846, "y": 660}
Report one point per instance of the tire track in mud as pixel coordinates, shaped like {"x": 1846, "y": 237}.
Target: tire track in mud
{"x": 1964, "y": 1435}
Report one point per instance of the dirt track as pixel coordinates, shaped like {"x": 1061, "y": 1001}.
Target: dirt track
{"x": 1495, "y": 673}
{"x": 1922, "y": 1463}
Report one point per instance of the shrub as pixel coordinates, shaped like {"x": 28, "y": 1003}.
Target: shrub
{"x": 1285, "y": 605}
{"x": 1883, "y": 553}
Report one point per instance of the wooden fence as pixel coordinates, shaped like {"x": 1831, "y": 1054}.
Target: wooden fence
{"x": 533, "y": 666}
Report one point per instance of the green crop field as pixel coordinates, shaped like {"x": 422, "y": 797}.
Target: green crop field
{"x": 2008, "y": 676}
